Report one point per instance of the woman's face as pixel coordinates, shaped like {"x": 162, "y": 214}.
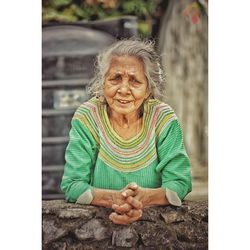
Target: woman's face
{"x": 125, "y": 86}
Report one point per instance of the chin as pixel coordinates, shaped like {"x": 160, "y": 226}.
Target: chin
{"x": 124, "y": 111}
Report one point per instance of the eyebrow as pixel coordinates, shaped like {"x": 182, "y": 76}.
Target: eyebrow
{"x": 114, "y": 74}
{"x": 130, "y": 75}
{"x": 134, "y": 77}
{"x": 120, "y": 73}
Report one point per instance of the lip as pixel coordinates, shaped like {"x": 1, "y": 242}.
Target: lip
{"x": 123, "y": 101}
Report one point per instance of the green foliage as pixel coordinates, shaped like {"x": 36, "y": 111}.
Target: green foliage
{"x": 60, "y": 3}
{"x": 77, "y": 10}
{"x": 138, "y": 7}
{"x": 144, "y": 29}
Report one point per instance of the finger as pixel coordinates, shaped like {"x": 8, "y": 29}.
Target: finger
{"x": 128, "y": 192}
{"x": 118, "y": 219}
{"x": 132, "y": 185}
{"x": 122, "y": 219}
{"x": 134, "y": 202}
{"x": 124, "y": 208}
{"x": 135, "y": 213}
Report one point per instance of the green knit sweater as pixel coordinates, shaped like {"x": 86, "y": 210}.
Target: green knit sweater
{"x": 97, "y": 156}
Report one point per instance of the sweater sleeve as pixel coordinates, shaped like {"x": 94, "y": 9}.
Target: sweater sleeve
{"x": 80, "y": 156}
{"x": 174, "y": 163}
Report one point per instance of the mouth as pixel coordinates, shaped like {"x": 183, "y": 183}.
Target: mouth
{"x": 123, "y": 101}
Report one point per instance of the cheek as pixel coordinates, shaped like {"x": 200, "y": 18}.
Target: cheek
{"x": 140, "y": 95}
{"x": 109, "y": 91}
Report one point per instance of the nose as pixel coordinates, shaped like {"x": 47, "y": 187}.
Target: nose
{"x": 124, "y": 87}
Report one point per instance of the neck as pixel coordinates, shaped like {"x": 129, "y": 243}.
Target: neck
{"x": 126, "y": 126}
{"x": 123, "y": 120}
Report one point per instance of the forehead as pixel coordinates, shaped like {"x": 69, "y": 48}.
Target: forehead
{"x": 129, "y": 64}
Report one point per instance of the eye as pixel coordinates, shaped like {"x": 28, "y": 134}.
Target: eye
{"x": 116, "y": 78}
{"x": 135, "y": 81}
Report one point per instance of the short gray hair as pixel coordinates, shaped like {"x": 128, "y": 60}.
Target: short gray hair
{"x": 144, "y": 50}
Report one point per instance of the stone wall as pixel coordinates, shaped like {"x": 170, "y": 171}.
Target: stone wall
{"x": 72, "y": 226}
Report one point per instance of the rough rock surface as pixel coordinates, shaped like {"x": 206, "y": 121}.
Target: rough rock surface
{"x": 72, "y": 226}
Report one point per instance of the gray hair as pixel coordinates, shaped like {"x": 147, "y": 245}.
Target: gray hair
{"x": 144, "y": 50}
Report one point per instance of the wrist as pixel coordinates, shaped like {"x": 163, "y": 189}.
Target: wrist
{"x": 147, "y": 197}
{"x": 155, "y": 196}
{"x": 103, "y": 197}
{"x": 114, "y": 197}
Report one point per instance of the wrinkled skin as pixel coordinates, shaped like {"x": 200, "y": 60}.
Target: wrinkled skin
{"x": 131, "y": 210}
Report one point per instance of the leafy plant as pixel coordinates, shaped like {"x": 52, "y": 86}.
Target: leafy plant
{"x": 78, "y": 10}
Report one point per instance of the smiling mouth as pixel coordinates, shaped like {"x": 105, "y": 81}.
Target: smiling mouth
{"x": 123, "y": 101}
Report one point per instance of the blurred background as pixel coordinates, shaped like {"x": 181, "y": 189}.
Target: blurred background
{"x": 74, "y": 31}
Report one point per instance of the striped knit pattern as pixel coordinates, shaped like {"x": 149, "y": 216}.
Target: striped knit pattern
{"x": 126, "y": 155}
{"x": 98, "y": 157}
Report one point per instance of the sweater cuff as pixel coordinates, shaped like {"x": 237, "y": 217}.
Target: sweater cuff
{"x": 173, "y": 198}
{"x": 85, "y": 198}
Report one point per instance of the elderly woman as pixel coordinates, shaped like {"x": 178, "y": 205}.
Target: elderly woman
{"x": 126, "y": 148}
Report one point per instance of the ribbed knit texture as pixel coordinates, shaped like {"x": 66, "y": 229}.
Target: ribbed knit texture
{"x": 97, "y": 156}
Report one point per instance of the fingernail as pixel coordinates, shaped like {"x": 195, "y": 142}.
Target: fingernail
{"x": 124, "y": 194}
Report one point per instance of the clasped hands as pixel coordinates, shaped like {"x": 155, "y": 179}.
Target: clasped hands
{"x": 128, "y": 204}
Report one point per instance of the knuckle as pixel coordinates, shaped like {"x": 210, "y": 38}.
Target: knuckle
{"x": 130, "y": 199}
{"x": 135, "y": 203}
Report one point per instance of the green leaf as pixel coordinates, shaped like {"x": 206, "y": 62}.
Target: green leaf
{"x": 49, "y": 14}
{"x": 151, "y": 5}
{"x": 69, "y": 15}
{"x": 144, "y": 29}
{"x": 60, "y": 3}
